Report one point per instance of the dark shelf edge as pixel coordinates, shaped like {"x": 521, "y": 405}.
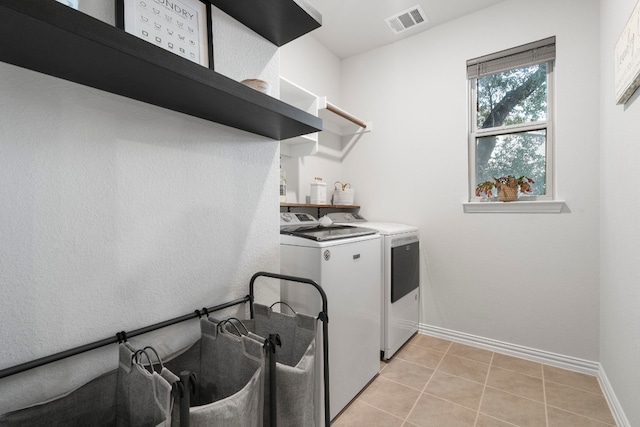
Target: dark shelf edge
{"x": 279, "y": 21}
{"x": 317, "y": 206}
{"x": 53, "y": 39}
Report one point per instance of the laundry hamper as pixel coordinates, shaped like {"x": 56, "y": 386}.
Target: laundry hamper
{"x": 130, "y": 396}
{"x": 92, "y": 405}
{"x": 295, "y": 363}
{"x": 230, "y": 376}
{"x": 143, "y": 397}
{"x": 321, "y": 370}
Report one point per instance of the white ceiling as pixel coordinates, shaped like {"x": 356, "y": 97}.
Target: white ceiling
{"x": 350, "y": 27}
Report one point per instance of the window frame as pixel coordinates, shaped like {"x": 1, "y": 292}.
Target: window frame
{"x": 474, "y": 133}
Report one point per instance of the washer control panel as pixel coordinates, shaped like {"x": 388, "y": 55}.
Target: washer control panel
{"x": 288, "y": 219}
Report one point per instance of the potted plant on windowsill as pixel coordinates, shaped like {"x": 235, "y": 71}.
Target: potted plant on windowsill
{"x": 507, "y": 187}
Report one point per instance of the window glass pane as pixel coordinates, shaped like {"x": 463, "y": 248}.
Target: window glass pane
{"x": 515, "y": 154}
{"x": 512, "y": 97}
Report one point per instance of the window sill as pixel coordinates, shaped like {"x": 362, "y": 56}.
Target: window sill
{"x": 538, "y": 206}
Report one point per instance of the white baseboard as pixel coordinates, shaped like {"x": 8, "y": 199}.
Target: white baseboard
{"x": 548, "y": 358}
{"x": 614, "y": 403}
{"x": 541, "y": 356}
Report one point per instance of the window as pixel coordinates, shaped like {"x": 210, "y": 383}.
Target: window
{"x": 511, "y": 117}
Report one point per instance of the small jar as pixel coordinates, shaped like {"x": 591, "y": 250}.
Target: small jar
{"x": 318, "y": 192}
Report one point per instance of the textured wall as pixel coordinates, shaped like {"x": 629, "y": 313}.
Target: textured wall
{"x": 117, "y": 214}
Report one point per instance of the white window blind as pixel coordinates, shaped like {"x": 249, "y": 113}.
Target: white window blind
{"x": 521, "y": 56}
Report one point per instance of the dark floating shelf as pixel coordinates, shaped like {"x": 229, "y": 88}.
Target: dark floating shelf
{"x": 314, "y": 205}
{"x": 53, "y": 39}
{"x": 279, "y": 21}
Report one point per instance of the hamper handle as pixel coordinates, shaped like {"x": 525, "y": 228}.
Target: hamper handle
{"x": 135, "y": 357}
{"x": 152, "y": 366}
{"x": 283, "y": 303}
{"x": 229, "y": 321}
{"x": 324, "y": 316}
{"x": 157, "y": 357}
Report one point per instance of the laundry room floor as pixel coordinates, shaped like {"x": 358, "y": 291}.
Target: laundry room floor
{"x": 439, "y": 383}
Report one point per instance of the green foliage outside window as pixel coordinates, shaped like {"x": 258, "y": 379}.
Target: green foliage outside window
{"x": 507, "y": 99}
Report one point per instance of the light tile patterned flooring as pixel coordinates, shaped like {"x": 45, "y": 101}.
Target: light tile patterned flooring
{"x": 433, "y": 382}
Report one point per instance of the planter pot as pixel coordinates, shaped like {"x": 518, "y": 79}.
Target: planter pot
{"x": 507, "y": 194}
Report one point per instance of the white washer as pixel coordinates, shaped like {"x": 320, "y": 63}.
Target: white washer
{"x": 344, "y": 261}
{"x": 400, "y": 302}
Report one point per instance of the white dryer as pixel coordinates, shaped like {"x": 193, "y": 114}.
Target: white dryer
{"x": 400, "y": 272}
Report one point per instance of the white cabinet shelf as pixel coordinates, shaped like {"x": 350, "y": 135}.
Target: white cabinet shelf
{"x": 334, "y": 119}
{"x": 296, "y": 96}
{"x": 340, "y": 122}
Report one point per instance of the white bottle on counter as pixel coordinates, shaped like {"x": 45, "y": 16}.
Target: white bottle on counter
{"x": 318, "y": 192}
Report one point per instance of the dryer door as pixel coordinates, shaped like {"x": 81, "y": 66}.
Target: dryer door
{"x": 405, "y": 269}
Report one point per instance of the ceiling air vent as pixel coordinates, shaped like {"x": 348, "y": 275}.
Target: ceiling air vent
{"x": 406, "y": 20}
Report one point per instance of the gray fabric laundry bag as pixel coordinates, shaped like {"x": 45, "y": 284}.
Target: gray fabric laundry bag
{"x": 130, "y": 396}
{"x": 230, "y": 379}
{"x": 143, "y": 398}
{"x": 91, "y": 405}
{"x": 295, "y": 367}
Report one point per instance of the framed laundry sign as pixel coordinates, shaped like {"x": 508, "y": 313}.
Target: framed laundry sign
{"x": 627, "y": 58}
{"x": 70, "y": 3}
{"x": 182, "y": 27}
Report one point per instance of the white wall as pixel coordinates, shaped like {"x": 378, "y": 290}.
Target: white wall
{"x": 525, "y": 279}
{"x": 310, "y": 65}
{"x": 620, "y": 233}
{"x": 117, "y": 215}
{"x": 307, "y": 63}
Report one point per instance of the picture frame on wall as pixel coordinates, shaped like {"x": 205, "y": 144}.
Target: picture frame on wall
{"x": 71, "y": 3}
{"x": 182, "y": 27}
{"x": 627, "y": 58}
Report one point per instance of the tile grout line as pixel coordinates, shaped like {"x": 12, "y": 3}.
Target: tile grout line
{"x": 406, "y": 419}
{"x": 391, "y": 380}
{"x": 604, "y": 423}
{"x": 417, "y": 364}
{"x": 474, "y": 360}
{"x": 573, "y": 387}
{"x": 484, "y": 387}
{"x": 443, "y": 372}
{"x": 576, "y": 388}
{"x": 500, "y": 420}
{"x": 544, "y": 397}
{"x": 540, "y": 402}
{"x": 381, "y": 410}
{"x": 518, "y": 372}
